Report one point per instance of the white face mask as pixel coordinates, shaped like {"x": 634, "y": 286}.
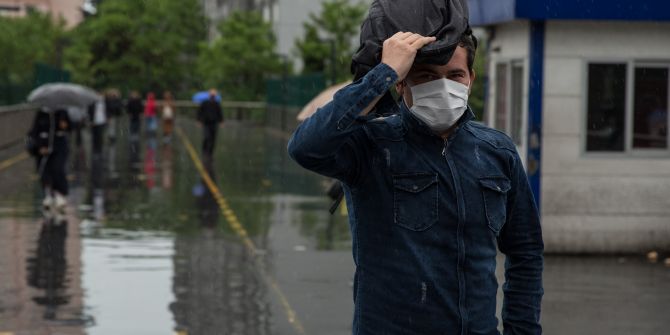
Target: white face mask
{"x": 439, "y": 103}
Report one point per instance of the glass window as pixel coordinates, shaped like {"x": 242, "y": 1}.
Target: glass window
{"x": 501, "y": 97}
{"x": 650, "y": 110}
{"x": 516, "y": 114}
{"x": 606, "y": 112}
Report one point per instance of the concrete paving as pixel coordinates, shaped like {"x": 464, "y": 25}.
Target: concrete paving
{"x": 151, "y": 246}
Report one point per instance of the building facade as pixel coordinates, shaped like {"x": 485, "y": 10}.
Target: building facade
{"x": 287, "y": 18}
{"x": 69, "y": 10}
{"x": 584, "y": 90}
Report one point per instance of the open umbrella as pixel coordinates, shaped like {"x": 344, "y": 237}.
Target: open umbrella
{"x": 59, "y": 95}
{"x": 203, "y": 96}
{"x": 320, "y": 100}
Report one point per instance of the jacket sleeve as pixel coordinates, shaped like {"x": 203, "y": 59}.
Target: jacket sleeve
{"x": 325, "y": 142}
{"x": 521, "y": 242}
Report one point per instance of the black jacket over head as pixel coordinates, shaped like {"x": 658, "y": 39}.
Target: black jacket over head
{"x": 447, "y": 20}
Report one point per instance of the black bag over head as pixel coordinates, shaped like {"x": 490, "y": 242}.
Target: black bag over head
{"x": 447, "y": 20}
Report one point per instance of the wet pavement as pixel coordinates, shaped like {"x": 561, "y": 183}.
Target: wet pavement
{"x": 148, "y": 248}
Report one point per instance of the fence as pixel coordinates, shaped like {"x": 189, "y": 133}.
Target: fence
{"x": 13, "y": 92}
{"x": 14, "y": 123}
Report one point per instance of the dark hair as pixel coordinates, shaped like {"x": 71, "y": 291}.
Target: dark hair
{"x": 469, "y": 42}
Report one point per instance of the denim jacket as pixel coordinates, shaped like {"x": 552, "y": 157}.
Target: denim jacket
{"x": 427, "y": 216}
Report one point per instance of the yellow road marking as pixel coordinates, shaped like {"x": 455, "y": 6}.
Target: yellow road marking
{"x": 234, "y": 223}
{"x": 11, "y": 161}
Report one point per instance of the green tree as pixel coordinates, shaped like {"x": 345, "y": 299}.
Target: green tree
{"x": 149, "y": 44}
{"x": 476, "y": 99}
{"x": 35, "y": 38}
{"x": 326, "y": 46}
{"x": 242, "y": 58}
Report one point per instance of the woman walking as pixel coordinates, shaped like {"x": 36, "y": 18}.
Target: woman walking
{"x": 49, "y": 135}
{"x": 134, "y": 107}
{"x": 150, "y": 114}
{"x": 167, "y": 115}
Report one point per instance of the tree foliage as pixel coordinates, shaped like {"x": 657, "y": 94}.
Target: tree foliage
{"x": 241, "y": 58}
{"x": 150, "y": 44}
{"x": 476, "y": 99}
{"x": 327, "y": 43}
{"x": 35, "y": 38}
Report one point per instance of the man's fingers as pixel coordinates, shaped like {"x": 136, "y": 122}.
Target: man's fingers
{"x": 404, "y": 35}
{"x": 412, "y": 38}
{"x": 421, "y": 42}
{"x": 397, "y": 35}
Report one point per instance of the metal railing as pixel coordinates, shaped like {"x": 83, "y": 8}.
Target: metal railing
{"x": 15, "y": 121}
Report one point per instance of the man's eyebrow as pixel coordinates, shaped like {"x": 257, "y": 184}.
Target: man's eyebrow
{"x": 456, "y": 71}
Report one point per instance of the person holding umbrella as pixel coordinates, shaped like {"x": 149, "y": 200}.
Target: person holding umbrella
{"x": 210, "y": 117}
{"x": 49, "y": 138}
{"x": 49, "y": 134}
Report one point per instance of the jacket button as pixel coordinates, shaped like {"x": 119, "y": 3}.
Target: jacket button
{"x": 388, "y": 78}
{"x": 498, "y": 187}
{"x": 415, "y": 187}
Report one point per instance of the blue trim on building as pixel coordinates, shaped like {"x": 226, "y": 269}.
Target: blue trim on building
{"x": 487, "y": 12}
{"x": 535, "y": 94}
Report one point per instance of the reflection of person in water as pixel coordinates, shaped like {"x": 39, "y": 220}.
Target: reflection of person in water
{"x": 208, "y": 208}
{"x": 47, "y": 268}
{"x": 150, "y": 163}
{"x": 166, "y": 166}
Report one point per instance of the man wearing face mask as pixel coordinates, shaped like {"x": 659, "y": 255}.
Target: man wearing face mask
{"x": 432, "y": 194}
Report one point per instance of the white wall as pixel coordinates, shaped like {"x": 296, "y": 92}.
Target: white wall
{"x": 596, "y": 203}
{"x": 590, "y": 203}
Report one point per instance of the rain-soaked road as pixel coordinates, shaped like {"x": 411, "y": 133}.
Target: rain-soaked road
{"x": 148, "y": 248}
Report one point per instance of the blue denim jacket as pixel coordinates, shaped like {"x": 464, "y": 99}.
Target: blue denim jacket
{"x": 427, "y": 216}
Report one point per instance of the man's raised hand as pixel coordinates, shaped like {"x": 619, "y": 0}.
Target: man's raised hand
{"x": 399, "y": 51}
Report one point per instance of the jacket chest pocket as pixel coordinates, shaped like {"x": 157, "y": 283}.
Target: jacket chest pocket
{"x": 494, "y": 192}
{"x": 415, "y": 200}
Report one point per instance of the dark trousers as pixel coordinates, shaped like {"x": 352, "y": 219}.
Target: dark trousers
{"x": 52, "y": 168}
{"x": 98, "y": 134}
{"x": 209, "y": 138}
{"x": 135, "y": 125}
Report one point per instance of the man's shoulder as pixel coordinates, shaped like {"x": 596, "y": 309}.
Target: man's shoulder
{"x": 389, "y": 126}
{"x": 493, "y": 137}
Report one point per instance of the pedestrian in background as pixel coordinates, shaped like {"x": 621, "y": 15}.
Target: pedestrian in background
{"x": 134, "y": 108}
{"x": 150, "y": 114}
{"x": 167, "y": 115}
{"x": 210, "y": 116}
{"x": 97, "y": 116}
{"x": 113, "y": 106}
{"x": 49, "y": 135}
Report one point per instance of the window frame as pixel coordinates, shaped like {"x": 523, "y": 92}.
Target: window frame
{"x": 511, "y": 64}
{"x": 629, "y": 151}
